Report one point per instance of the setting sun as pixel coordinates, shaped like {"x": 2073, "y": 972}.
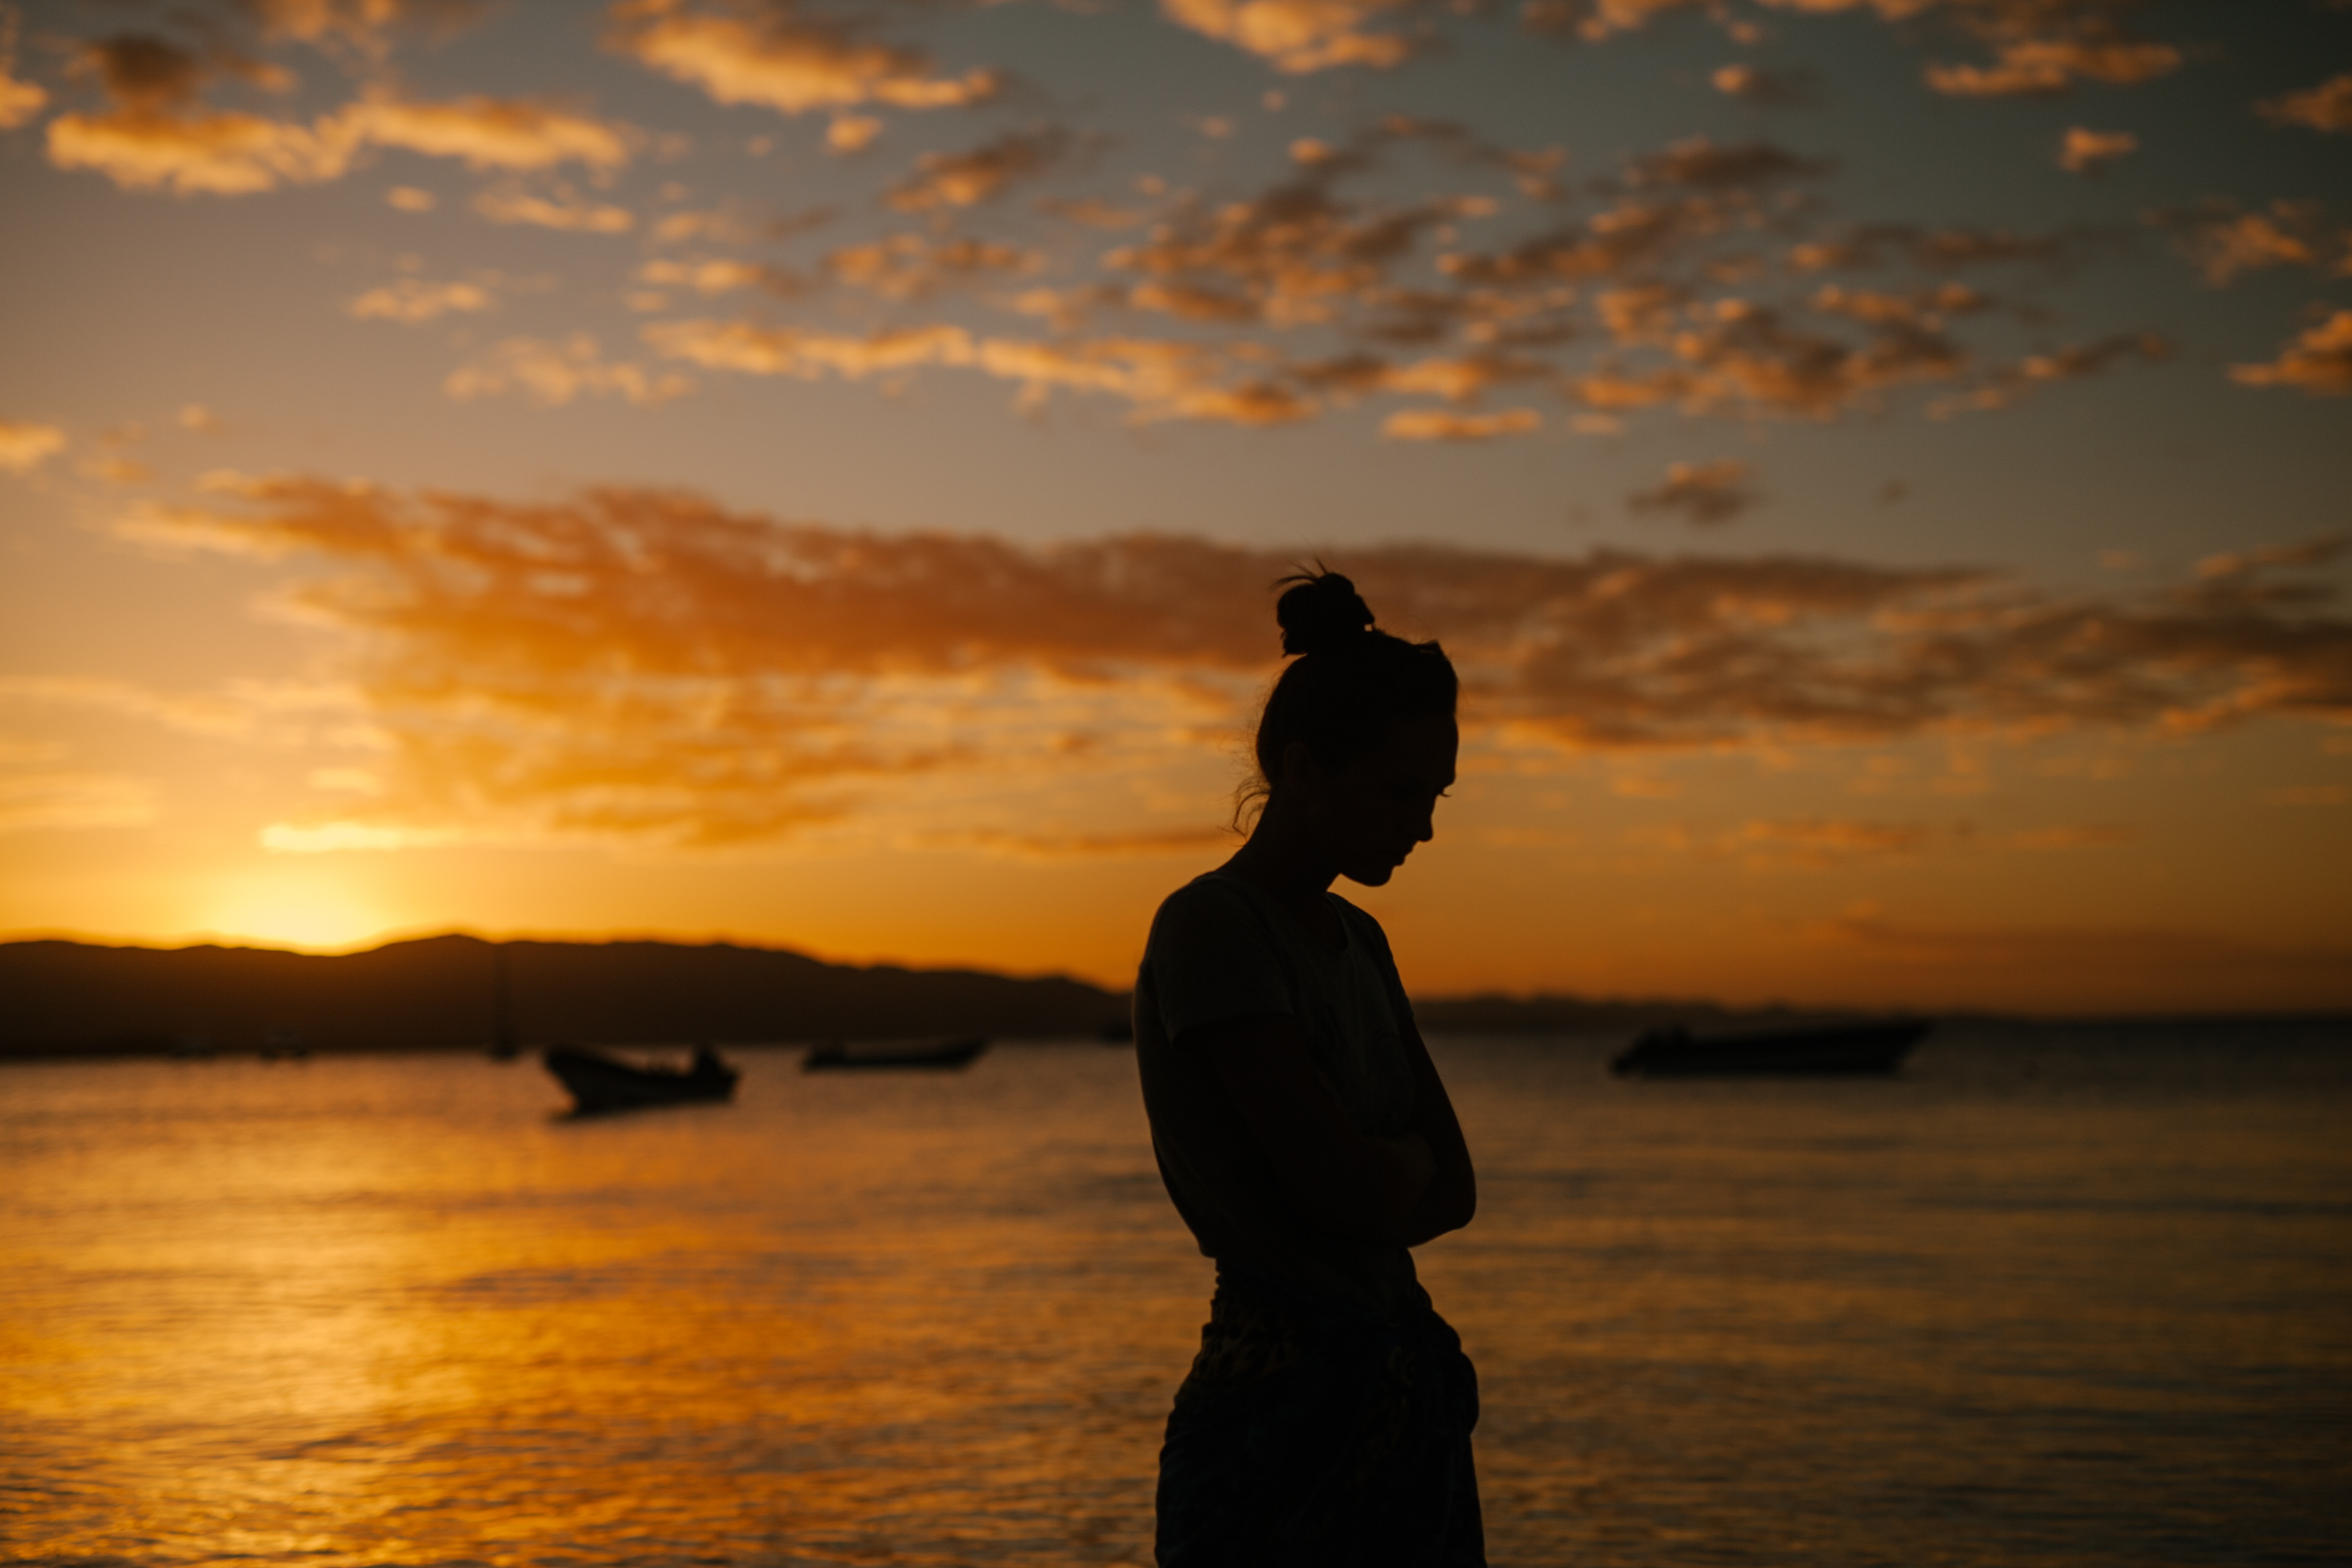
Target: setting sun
{"x": 311, "y": 913}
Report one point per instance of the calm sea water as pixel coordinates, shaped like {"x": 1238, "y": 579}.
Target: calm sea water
{"x": 2053, "y": 1297}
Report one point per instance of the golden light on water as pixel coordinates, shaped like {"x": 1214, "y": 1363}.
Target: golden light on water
{"x": 377, "y": 1309}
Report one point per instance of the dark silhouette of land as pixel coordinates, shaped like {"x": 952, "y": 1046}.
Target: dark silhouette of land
{"x": 79, "y": 998}
{"x": 448, "y": 993}
{"x": 444, "y": 992}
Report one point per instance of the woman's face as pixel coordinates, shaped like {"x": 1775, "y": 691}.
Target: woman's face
{"x": 1364, "y": 818}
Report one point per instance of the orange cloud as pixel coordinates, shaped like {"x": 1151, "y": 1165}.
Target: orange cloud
{"x": 159, "y": 134}
{"x": 1595, "y": 20}
{"x": 2239, "y": 563}
{"x": 1296, "y": 253}
{"x": 1795, "y": 87}
{"x": 566, "y": 210}
{"x": 709, "y": 276}
{"x": 413, "y": 299}
{"x": 1925, "y": 309}
{"x": 1652, "y": 267}
{"x": 786, "y": 351}
{"x": 1534, "y": 172}
{"x": 2039, "y": 47}
{"x": 1301, "y": 36}
{"x": 552, "y": 375}
{"x": 720, "y": 225}
{"x": 1700, "y": 492}
{"x": 493, "y": 133}
{"x": 1093, "y": 212}
{"x": 2225, "y": 240}
{"x": 915, "y": 267}
{"x": 360, "y": 22}
{"x": 1438, "y": 425}
{"x": 1163, "y": 380}
{"x": 1747, "y": 358}
{"x": 2045, "y": 67}
{"x": 2008, "y": 385}
{"x": 220, "y": 153}
{"x": 2319, "y": 361}
{"x": 23, "y": 446}
{"x": 20, "y": 100}
{"x": 645, "y": 664}
{"x": 852, "y": 133}
{"x": 981, "y": 174}
{"x": 2328, "y": 107}
{"x": 1636, "y": 238}
{"x": 781, "y": 59}
{"x": 1703, "y": 164}
{"x": 2085, "y": 151}
{"x": 1872, "y": 245}
{"x": 1293, "y": 254}
{"x": 1461, "y": 378}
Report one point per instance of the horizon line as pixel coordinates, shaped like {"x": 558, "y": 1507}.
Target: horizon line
{"x": 229, "y": 943}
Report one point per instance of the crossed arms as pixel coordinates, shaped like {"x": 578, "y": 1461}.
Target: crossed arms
{"x": 1404, "y": 1190}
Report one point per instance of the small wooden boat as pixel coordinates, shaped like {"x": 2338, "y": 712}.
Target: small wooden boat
{"x": 1674, "y": 1052}
{"x": 946, "y": 1055}
{"x": 599, "y": 1082}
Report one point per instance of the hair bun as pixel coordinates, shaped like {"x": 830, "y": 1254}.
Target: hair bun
{"x": 1322, "y": 612}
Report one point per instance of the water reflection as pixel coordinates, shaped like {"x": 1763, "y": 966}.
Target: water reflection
{"x": 387, "y": 1310}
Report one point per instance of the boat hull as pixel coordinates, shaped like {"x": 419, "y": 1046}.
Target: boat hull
{"x": 1847, "y": 1050}
{"x": 597, "y": 1082}
{"x": 946, "y": 1056}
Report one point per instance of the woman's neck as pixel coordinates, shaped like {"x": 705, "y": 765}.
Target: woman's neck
{"x": 1279, "y": 861}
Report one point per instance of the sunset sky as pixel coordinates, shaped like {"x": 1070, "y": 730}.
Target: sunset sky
{"x": 811, "y": 473}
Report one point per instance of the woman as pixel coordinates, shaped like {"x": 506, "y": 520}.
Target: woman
{"x": 1306, "y": 1140}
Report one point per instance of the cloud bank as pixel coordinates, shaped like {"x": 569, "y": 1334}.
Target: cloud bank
{"x": 647, "y": 666}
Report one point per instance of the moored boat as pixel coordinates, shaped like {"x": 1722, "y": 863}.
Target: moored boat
{"x": 599, "y": 1082}
{"x": 1674, "y": 1052}
{"x": 946, "y": 1053}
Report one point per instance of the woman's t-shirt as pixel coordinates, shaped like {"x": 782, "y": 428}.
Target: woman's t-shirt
{"x": 1221, "y": 949}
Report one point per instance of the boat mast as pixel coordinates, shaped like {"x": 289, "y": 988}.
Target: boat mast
{"x": 503, "y": 1041}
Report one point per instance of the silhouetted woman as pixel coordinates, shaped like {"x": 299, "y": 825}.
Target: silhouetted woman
{"x": 1306, "y": 1140}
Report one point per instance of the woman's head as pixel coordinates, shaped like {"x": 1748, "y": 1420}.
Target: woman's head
{"x": 1361, "y": 726}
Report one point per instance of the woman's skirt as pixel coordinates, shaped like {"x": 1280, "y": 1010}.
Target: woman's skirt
{"x": 1304, "y": 1439}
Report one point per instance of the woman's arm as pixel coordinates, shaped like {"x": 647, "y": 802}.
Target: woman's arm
{"x": 1450, "y": 1198}
{"x": 1339, "y": 1179}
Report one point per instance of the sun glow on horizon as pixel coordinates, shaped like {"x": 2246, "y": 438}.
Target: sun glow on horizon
{"x": 310, "y": 913}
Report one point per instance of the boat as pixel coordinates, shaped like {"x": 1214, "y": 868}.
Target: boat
{"x": 1868, "y": 1047}
{"x": 599, "y": 1082}
{"x": 945, "y": 1055}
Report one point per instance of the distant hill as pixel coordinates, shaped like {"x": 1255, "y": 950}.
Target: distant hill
{"x": 69, "y": 997}
{"x": 441, "y": 991}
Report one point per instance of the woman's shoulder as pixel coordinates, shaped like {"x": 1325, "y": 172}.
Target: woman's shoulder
{"x": 1214, "y": 897}
{"x": 1361, "y": 926}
